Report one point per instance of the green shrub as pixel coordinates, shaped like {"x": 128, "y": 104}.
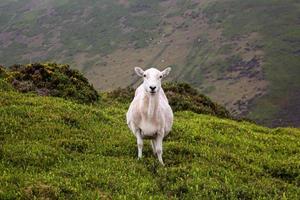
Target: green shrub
{"x": 2, "y": 72}
{"x": 52, "y": 80}
{"x": 183, "y": 96}
{"x": 122, "y": 95}
{"x": 4, "y": 86}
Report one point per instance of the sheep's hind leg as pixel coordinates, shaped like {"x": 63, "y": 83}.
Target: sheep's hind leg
{"x": 153, "y": 146}
{"x": 159, "y": 148}
{"x": 139, "y": 143}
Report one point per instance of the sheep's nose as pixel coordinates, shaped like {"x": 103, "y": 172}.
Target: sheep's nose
{"x": 152, "y": 88}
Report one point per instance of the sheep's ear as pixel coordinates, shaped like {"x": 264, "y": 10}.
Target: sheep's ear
{"x": 139, "y": 71}
{"x": 166, "y": 72}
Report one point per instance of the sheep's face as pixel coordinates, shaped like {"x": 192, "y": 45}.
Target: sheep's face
{"x": 152, "y": 78}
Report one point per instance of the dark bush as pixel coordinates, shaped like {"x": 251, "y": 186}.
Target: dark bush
{"x": 123, "y": 95}
{"x": 52, "y": 80}
{"x": 181, "y": 97}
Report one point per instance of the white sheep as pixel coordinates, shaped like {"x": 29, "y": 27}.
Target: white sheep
{"x": 149, "y": 115}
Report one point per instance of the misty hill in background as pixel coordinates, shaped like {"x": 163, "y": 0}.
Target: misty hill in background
{"x": 244, "y": 54}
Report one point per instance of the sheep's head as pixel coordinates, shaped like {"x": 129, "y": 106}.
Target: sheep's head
{"x": 152, "y": 78}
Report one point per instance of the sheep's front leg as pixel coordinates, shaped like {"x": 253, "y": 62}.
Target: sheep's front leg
{"x": 139, "y": 143}
{"x": 159, "y": 148}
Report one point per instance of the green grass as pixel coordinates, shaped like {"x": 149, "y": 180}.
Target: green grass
{"x": 56, "y": 149}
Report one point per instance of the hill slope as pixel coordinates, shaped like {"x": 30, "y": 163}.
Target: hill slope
{"x": 80, "y": 151}
{"x": 242, "y": 53}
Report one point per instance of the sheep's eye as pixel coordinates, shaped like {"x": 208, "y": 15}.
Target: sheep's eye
{"x": 144, "y": 75}
{"x": 160, "y": 76}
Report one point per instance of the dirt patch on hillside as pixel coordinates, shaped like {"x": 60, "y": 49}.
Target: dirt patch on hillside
{"x": 289, "y": 113}
{"x": 6, "y": 38}
{"x": 116, "y": 69}
{"x": 237, "y": 95}
{"x": 123, "y": 2}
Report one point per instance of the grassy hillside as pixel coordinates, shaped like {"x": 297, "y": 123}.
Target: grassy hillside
{"x": 53, "y": 148}
{"x": 242, "y": 53}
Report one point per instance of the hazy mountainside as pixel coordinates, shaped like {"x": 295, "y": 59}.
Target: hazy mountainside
{"x": 242, "y": 53}
{"x": 77, "y": 151}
